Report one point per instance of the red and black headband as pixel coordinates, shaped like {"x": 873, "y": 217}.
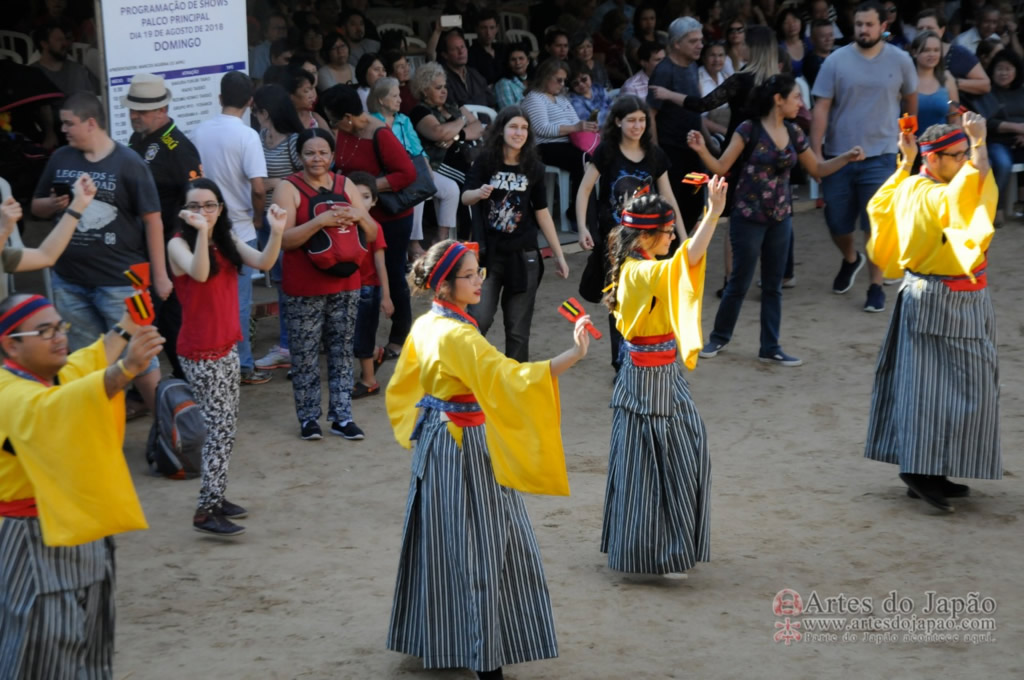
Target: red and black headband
{"x": 445, "y": 265}
{"x": 648, "y": 220}
{"x": 943, "y": 142}
{"x": 21, "y": 311}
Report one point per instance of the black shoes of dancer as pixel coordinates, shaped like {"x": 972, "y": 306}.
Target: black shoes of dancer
{"x": 490, "y": 675}
{"x": 934, "y": 490}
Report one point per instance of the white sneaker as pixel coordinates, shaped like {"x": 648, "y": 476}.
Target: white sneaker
{"x": 275, "y": 358}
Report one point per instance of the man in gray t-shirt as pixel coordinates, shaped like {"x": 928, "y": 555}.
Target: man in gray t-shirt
{"x": 859, "y": 94}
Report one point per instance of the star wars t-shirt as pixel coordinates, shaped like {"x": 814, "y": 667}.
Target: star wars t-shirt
{"x": 621, "y": 178}
{"x": 506, "y": 219}
{"x": 110, "y": 237}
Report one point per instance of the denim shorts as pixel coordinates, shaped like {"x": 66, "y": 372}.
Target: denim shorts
{"x": 92, "y": 311}
{"x": 367, "y": 318}
{"x": 848, "y": 191}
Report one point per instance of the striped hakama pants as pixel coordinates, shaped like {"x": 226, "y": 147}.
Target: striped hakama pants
{"x": 658, "y": 498}
{"x": 56, "y": 606}
{"x": 935, "y": 402}
{"x": 470, "y": 591}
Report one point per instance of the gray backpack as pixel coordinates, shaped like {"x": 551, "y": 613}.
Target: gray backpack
{"x": 175, "y": 446}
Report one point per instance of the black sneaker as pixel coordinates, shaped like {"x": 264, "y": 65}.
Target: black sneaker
{"x": 216, "y": 524}
{"x": 847, "y": 274}
{"x": 232, "y": 511}
{"x": 780, "y": 358}
{"x": 311, "y": 431}
{"x": 876, "y": 299}
{"x": 349, "y": 430}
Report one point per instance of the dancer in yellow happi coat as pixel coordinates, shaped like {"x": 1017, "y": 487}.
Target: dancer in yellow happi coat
{"x": 470, "y": 591}
{"x": 64, "y": 490}
{"x": 935, "y": 403}
{"x": 657, "y": 502}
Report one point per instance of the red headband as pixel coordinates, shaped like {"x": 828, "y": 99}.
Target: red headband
{"x": 21, "y": 311}
{"x": 944, "y": 142}
{"x": 444, "y": 266}
{"x": 648, "y": 221}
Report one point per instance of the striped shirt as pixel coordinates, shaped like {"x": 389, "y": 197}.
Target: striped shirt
{"x": 546, "y": 116}
{"x": 282, "y": 160}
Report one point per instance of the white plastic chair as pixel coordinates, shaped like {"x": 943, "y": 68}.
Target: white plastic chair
{"x": 12, "y": 55}
{"x": 481, "y": 110}
{"x": 413, "y": 41}
{"x": 78, "y": 51}
{"x": 384, "y": 28}
{"x": 516, "y": 35}
{"x": 15, "y": 242}
{"x": 513, "y": 20}
{"x": 564, "y": 195}
{"x": 17, "y": 42}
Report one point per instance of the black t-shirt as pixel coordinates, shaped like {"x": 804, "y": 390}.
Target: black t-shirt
{"x": 507, "y": 218}
{"x": 675, "y": 121}
{"x": 491, "y": 68}
{"x": 110, "y": 237}
{"x": 174, "y": 161}
{"x": 621, "y": 177}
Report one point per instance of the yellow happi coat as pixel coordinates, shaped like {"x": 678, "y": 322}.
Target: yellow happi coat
{"x": 67, "y": 443}
{"x": 678, "y": 287}
{"x": 445, "y": 357}
{"x": 932, "y": 228}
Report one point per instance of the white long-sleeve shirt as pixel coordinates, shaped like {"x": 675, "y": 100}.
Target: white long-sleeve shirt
{"x": 547, "y": 116}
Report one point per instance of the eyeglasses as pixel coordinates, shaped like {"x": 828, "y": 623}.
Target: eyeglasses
{"x": 738, "y": 29}
{"x": 957, "y": 156}
{"x": 47, "y": 332}
{"x": 670, "y": 230}
{"x": 481, "y": 272}
{"x": 209, "y": 207}
{"x": 891, "y": 10}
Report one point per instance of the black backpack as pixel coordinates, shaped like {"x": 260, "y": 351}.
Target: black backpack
{"x": 175, "y": 446}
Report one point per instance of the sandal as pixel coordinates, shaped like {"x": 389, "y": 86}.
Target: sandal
{"x": 389, "y": 353}
{"x": 363, "y": 390}
{"x": 378, "y": 358}
{"x": 134, "y": 409}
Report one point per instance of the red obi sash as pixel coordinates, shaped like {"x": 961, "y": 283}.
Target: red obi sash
{"x": 23, "y": 507}
{"x": 642, "y": 354}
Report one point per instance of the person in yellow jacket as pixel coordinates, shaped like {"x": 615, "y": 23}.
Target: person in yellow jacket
{"x": 65, "y": 489}
{"x": 935, "y": 402}
{"x": 657, "y": 501}
{"x": 470, "y": 591}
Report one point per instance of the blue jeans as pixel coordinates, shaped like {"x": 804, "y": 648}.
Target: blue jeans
{"x": 848, "y": 191}
{"x": 751, "y": 240}
{"x": 367, "y": 317}
{"x": 245, "y": 359}
{"x": 262, "y": 237}
{"x": 1001, "y": 159}
{"x": 92, "y": 311}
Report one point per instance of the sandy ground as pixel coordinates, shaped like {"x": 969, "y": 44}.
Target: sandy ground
{"x": 306, "y": 593}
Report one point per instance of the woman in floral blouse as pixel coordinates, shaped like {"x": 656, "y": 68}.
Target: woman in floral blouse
{"x": 761, "y": 221}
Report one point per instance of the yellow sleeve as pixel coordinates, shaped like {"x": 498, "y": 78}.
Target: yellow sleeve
{"x": 404, "y": 392}
{"x": 522, "y": 408}
{"x": 883, "y": 247}
{"x": 971, "y": 206}
{"x": 675, "y": 282}
{"x": 68, "y": 440}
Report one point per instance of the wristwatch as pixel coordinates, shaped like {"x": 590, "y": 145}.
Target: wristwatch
{"x": 119, "y": 329}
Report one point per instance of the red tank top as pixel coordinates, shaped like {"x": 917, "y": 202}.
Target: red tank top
{"x": 300, "y": 278}
{"x": 209, "y": 312}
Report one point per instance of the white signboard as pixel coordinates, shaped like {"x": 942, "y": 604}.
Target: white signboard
{"x": 191, "y": 43}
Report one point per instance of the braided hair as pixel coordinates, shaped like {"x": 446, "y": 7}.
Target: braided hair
{"x": 624, "y": 239}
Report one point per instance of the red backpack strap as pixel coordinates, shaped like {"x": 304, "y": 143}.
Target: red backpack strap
{"x": 300, "y": 184}
{"x": 339, "y": 184}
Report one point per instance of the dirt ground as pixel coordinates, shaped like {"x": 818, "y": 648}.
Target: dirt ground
{"x": 306, "y": 592}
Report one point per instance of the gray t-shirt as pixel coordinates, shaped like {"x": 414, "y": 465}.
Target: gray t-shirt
{"x": 110, "y": 237}
{"x": 865, "y": 96}
{"x": 9, "y": 260}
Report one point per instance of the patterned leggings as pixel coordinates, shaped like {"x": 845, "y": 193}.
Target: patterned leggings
{"x": 333, "y": 318}
{"x": 215, "y": 387}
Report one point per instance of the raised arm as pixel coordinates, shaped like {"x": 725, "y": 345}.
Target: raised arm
{"x": 264, "y": 260}
{"x": 57, "y": 240}
{"x": 192, "y": 263}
